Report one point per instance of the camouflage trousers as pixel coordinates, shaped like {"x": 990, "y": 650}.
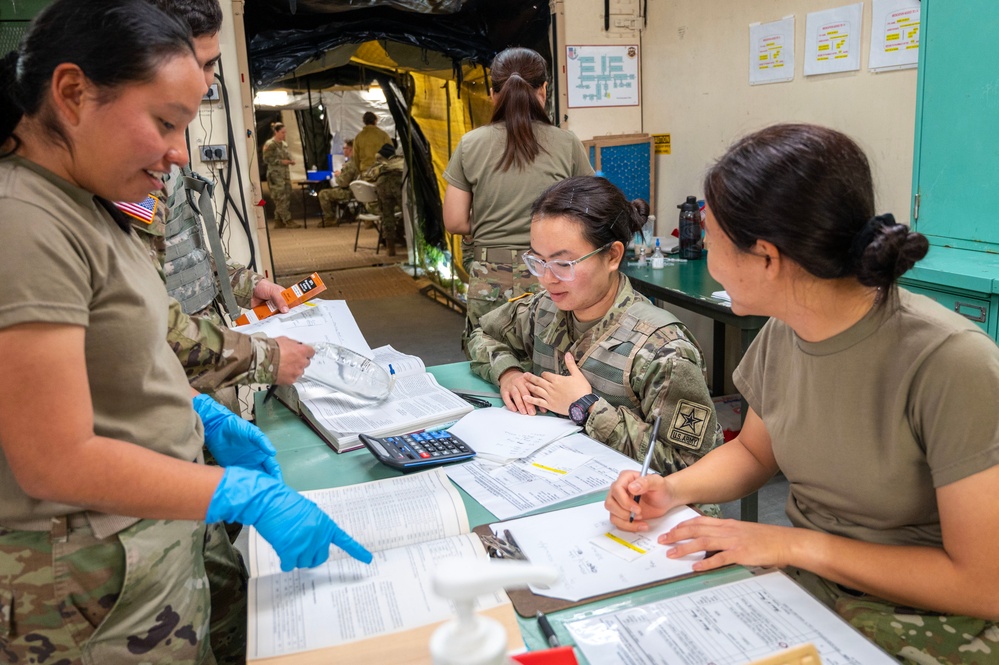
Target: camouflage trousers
{"x": 389, "y": 189}
{"x": 491, "y": 285}
{"x": 913, "y": 636}
{"x": 144, "y": 595}
{"x": 332, "y": 201}
{"x": 280, "y": 186}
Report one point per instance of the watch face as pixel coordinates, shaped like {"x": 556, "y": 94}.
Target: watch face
{"x": 577, "y": 414}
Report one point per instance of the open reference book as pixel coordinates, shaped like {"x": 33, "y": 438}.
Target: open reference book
{"x": 409, "y": 523}
{"x": 416, "y": 402}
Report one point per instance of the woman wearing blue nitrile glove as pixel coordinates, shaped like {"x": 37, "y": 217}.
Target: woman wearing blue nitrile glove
{"x": 233, "y": 441}
{"x": 103, "y": 493}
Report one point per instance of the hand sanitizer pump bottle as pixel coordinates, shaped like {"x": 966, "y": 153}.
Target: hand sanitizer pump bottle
{"x": 471, "y": 639}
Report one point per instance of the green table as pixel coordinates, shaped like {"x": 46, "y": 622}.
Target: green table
{"x": 308, "y": 463}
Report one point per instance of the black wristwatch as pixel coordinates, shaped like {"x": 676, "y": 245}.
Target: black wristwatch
{"x": 579, "y": 411}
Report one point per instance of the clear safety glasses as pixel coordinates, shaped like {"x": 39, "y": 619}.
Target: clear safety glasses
{"x": 564, "y": 271}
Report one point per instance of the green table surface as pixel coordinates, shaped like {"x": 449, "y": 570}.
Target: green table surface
{"x": 308, "y": 463}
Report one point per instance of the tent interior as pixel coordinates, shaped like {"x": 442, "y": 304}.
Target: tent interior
{"x": 420, "y": 65}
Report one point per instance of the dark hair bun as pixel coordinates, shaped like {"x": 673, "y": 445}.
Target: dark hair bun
{"x": 892, "y": 252}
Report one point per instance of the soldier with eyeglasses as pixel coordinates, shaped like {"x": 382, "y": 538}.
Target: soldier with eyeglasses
{"x": 589, "y": 346}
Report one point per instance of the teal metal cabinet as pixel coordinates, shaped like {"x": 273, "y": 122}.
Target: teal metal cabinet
{"x": 956, "y": 159}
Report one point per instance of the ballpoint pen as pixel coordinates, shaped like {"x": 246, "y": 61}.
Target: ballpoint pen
{"x": 647, "y": 462}
{"x": 547, "y": 630}
{"x": 474, "y": 401}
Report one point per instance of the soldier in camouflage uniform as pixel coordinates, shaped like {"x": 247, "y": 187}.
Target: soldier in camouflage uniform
{"x": 591, "y": 340}
{"x": 332, "y": 200}
{"x": 386, "y": 173}
{"x": 278, "y": 159}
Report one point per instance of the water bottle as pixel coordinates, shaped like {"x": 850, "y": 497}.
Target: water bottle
{"x": 658, "y": 260}
{"x": 691, "y": 245}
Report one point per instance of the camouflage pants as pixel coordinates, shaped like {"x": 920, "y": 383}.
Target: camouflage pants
{"x": 280, "y": 186}
{"x": 912, "y": 636}
{"x": 491, "y": 285}
{"x": 331, "y": 199}
{"x": 389, "y": 190}
{"x": 141, "y": 595}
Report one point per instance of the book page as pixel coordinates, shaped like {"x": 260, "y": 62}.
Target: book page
{"x": 593, "y": 557}
{"x": 314, "y": 322}
{"x": 731, "y": 624}
{"x": 380, "y": 515}
{"x": 398, "y": 363}
{"x": 543, "y": 479}
{"x": 415, "y": 401}
{"x": 344, "y": 601}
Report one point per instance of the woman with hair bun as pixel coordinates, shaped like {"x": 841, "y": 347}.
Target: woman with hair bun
{"x": 590, "y": 346}
{"x": 278, "y": 159}
{"x": 496, "y": 173}
{"x": 877, "y": 404}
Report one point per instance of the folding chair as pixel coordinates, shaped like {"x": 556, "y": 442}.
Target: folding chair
{"x": 364, "y": 192}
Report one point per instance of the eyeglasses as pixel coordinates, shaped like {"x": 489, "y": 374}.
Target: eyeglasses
{"x": 564, "y": 271}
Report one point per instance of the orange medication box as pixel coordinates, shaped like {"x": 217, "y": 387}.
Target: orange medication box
{"x": 294, "y": 295}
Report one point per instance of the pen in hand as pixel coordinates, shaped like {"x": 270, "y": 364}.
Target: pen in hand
{"x": 647, "y": 462}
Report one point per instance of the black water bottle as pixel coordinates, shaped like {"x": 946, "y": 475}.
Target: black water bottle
{"x": 690, "y": 229}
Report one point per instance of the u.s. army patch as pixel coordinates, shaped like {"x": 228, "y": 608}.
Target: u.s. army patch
{"x": 690, "y": 422}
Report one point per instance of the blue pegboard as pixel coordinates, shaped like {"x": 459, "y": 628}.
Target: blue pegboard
{"x": 627, "y": 166}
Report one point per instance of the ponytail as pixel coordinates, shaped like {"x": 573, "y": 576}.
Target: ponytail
{"x": 10, "y": 107}
{"x": 517, "y": 74}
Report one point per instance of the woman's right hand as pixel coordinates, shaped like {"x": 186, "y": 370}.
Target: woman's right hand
{"x": 513, "y": 387}
{"x": 620, "y": 501}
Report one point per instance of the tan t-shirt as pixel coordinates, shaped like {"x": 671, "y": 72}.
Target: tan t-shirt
{"x": 501, "y": 200}
{"x": 64, "y": 260}
{"x": 865, "y": 425}
{"x": 367, "y": 143}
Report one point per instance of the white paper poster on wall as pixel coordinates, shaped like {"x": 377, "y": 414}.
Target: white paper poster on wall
{"x": 832, "y": 40}
{"x": 771, "y": 51}
{"x": 602, "y": 75}
{"x": 894, "y": 35}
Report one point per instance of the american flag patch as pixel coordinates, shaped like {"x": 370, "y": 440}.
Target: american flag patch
{"x": 143, "y": 211}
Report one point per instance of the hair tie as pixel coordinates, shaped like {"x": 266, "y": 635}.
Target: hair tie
{"x": 867, "y": 234}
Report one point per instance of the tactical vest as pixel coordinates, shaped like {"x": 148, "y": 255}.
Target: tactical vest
{"x": 190, "y": 273}
{"x": 607, "y": 362}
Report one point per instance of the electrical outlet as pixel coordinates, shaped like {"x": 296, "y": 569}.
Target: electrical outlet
{"x": 214, "y": 153}
{"x": 213, "y": 93}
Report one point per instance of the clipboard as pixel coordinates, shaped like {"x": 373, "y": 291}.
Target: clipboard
{"x": 528, "y": 604}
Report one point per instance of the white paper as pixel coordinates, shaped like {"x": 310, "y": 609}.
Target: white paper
{"x": 499, "y": 435}
{"x": 563, "y": 539}
{"x": 345, "y": 600}
{"x": 771, "y": 51}
{"x": 314, "y": 322}
{"x": 416, "y": 401}
{"x": 832, "y": 40}
{"x": 721, "y": 295}
{"x": 380, "y": 515}
{"x": 731, "y": 624}
{"x": 602, "y": 75}
{"x": 556, "y": 461}
{"x": 511, "y": 490}
{"x": 894, "y": 35}
{"x": 397, "y": 362}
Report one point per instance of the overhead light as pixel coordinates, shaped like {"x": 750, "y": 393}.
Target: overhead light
{"x": 272, "y": 98}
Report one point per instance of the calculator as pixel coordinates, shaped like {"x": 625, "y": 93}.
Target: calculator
{"x": 418, "y": 450}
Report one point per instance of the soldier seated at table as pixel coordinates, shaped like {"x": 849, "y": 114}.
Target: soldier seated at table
{"x": 387, "y": 176}
{"x": 334, "y": 201}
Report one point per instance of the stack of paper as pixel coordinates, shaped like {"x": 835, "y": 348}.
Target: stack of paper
{"x": 499, "y": 435}
{"x": 314, "y": 322}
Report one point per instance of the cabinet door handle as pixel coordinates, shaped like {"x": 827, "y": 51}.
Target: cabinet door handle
{"x": 958, "y": 305}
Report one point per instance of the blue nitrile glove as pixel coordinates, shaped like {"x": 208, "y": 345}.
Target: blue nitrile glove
{"x": 298, "y": 530}
{"x": 234, "y": 441}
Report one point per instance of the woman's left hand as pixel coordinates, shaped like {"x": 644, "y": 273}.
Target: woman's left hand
{"x": 267, "y": 291}
{"x": 555, "y": 392}
{"x": 745, "y": 543}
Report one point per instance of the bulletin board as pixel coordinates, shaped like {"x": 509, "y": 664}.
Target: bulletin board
{"x": 628, "y": 161}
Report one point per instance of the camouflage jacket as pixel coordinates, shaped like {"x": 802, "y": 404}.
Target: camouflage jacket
{"x": 348, "y": 174}
{"x": 273, "y": 153}
{"x": 640, "y": 361}
{"x": 213, "y": 355}
{"x": 382, "y": 165}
